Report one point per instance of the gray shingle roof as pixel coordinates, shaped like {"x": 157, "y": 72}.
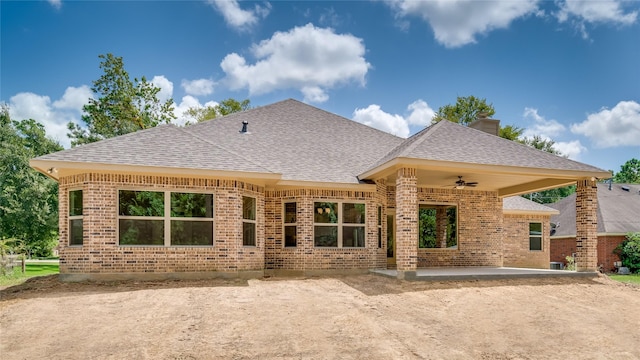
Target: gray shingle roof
{"x": 447, "y": 141}
{"x": 300, "y": 141}
{"x": 618, "y": 211}
{"x": 303, "y": 143}
{"x": 163, "y": 146}
{"x": 518, "y": 203}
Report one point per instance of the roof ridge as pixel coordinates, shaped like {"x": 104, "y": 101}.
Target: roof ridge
{"x": 223, "y": 148}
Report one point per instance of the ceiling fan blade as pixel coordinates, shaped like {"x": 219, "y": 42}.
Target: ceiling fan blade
{"x": 473, "y": 183}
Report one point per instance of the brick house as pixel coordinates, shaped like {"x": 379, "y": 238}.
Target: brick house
{"x": 292, "y": 188}
{"x": 618, "y": 214}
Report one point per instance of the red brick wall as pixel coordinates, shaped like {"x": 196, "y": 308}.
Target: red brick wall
{"x": 563, "y": 247}
{"x": 101, "y": 252}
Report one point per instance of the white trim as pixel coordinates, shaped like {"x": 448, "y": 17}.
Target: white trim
{"x": 535, "y": 236}
{"x": 74, "y": 217}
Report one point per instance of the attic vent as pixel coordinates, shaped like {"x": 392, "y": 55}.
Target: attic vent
{"x": 625, "y": 188}
{"x": 244, "y": 127}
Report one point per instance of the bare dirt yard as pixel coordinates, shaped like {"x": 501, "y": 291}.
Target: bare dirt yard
{"x": 351, "y": 317}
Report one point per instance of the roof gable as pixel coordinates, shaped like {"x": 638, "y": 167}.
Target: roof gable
{"x": 448, "y": 141}
{"x": 518, "y": 204}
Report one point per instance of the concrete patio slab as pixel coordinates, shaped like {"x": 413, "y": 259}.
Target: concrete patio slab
{"x": 478, "y": 273}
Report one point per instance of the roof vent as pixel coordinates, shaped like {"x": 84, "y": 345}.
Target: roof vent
{"x": 625, "y": 188}
{"x": 244, "y": 127}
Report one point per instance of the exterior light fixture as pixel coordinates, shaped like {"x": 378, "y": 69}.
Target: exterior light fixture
{"x": 319, "y": 210}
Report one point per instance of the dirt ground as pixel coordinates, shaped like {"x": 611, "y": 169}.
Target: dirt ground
{"x": 351, "y": 317}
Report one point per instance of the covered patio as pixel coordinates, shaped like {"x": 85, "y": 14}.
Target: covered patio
{"x": 481, "y": 273}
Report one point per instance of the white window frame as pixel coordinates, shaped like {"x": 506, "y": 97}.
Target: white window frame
{"x": 286, "y": 224}
{"x": 340, "y": 224}
{"x": 536, "y": 236}
{"x": 74, "y": 217}
{"x": 249, "y": 221}
{"x": 167, "y": 216}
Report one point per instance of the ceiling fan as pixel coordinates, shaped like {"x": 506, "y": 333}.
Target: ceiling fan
{"x": 461, "y": 184}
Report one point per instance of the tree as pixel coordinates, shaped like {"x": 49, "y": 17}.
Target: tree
{"x": 465, "y": 111}
{"x": 122, "y": 106}
{"x": 28, "y": 199}
{"x": 510, "y": 132}
{"x": 537, "y": 142}
{"x": 629, "y": 172}
{"x": 225, "y": 107}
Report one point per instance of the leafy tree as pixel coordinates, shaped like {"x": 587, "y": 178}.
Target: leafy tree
{"x": 122, "y": 106}
{"x": 225, "y": 107}
{"x": 28, "y": 199}
{"x": 539, "y": 143}
{"x": 510, "y": 132}
{"x": 629, "y": 252}
{"x": 465, "y": 110}
{"x": 629, "y": 172}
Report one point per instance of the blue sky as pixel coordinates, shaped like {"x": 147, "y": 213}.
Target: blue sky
{"x": 568, "y": 70}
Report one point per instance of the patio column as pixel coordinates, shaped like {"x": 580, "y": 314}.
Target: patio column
{"x": 406, "y": 222}
{"x": 586, "y": 225}
{"x": 441, "y": 227}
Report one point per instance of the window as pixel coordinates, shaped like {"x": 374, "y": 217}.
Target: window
{"x": 379, "y": 227}
{"x": 248, "y": 221}
{"x": 535, "y": 236}
{"x": 159, "y": 218}
{"x": 290, "y": 224}
{"x": 75, "y": 217}
{"x": 339, "y": 224}
{"x": 191, "y": 219}
{"x": 438, "y": 226}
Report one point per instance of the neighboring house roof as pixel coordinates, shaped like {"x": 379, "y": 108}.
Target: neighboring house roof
{"x": 447, "y": 141}
{"x": 618, "y": 211}
{"x": 289, "y": 142}
{"x": 520, "y": 205}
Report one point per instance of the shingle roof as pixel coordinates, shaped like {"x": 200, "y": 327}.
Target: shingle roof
{"x": 518, "y": 203}
{"x": 617, "y": 211}
{"x": 163, "y": 146}
{"x": 299, "y": 141}
{"x": 303, "y": 143}
{"x": 447, "y": 141}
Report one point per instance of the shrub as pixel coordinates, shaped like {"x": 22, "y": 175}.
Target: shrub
{"x": 629, "y": 252}
{"x": 571, "y": 263}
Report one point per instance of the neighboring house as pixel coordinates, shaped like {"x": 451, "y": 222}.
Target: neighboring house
{"x": 618, "y": 214}
{"x": 290, "y": 187}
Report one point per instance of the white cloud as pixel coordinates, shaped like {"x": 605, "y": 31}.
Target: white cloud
{"x": 419, "y": 114}
{"x": 314, "y": 94}
{"x": 619, "y": 126}
{"x": 572, "y": 149}
{"x": 198, "y": 87}
{"x": 57, "y": 4}
{"x": 166, "y": 87}
{"x": 602, "y": 11}
{"x": 306, "y": 58}
{"x": 74, "y": 98}
{"x": 185, "y": 104}
{"x": 456, "y": 23}
{"x": 541, "y": 126}
{"x": 54, "y": 116}
{"x": 238, "y": 18}
{"x": 374, "y": 116}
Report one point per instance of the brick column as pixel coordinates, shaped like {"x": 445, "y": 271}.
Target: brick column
{"x": 441, "y": 227}
{"x": 406, "y": 223}
{"x": 586, "y": 226}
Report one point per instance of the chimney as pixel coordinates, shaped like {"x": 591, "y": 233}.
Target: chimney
{"x": 483, "y": 123}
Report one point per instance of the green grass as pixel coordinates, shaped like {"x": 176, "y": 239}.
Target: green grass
{"x": 32, "y": 270}
{"x": 632, "y": 278}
